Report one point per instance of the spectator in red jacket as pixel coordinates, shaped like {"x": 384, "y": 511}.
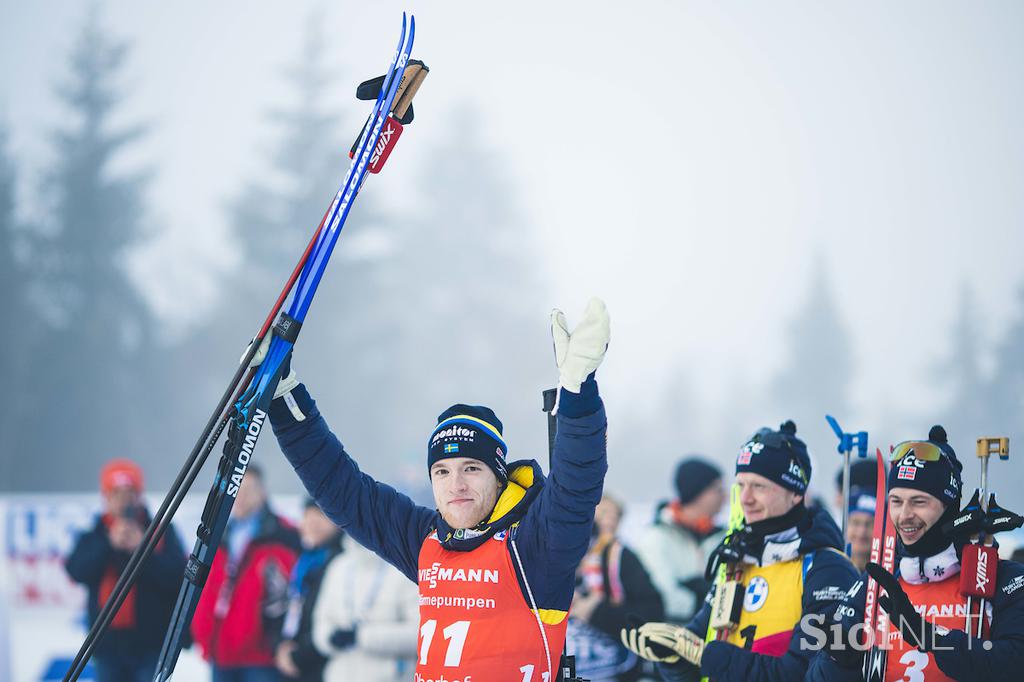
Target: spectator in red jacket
{"x": 238, "y": 620}
{"x": 129, "y": 650}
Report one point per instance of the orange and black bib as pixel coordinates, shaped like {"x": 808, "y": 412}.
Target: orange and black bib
{"x": 475, "y": 622}
{"x": 941, "y": 604}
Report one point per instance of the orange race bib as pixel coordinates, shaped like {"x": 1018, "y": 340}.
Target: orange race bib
{"x": 475, "y": 623}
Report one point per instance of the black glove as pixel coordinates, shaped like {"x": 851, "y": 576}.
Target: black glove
{"x": 916, "y": 631}
{"x": 846, "y": 654}
{"x": 343, "y": 638}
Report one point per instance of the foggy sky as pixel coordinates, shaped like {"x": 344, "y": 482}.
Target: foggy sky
{"x": 689, "y": 162}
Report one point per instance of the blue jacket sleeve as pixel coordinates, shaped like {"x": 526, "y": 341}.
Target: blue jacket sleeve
{"x": 1001, "y": 657}
{"x": 555, "y": 533}
{"x": 374, "y": 514}
{"x": 826, "y": 583}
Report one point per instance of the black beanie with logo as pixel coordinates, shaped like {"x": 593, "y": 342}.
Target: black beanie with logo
{"x": 779, "y": 456}
{"x": 469, "y": 431}
{"x": 940, "y": 479}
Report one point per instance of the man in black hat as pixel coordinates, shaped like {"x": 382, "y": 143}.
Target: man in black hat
{"x": 496, "y": 561}
{"x": 788, "y": 562}
{"x": 675, "y": 548}
{"x": 924, "y": 499}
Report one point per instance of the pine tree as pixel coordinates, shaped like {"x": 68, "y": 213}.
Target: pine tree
{"x": 816, "y": 378}
{"x": 90, "y": 368}
{"x": 13, "y": 293}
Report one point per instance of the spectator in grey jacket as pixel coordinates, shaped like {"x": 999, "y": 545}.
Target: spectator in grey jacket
{"x": 675, "y": 549}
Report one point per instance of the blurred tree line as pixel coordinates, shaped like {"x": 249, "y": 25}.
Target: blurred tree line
{"x": 816, "y": 377}
{"x": 414, "y": 313}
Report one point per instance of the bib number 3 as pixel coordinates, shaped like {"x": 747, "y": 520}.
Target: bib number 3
{"x": 916, "y": 661}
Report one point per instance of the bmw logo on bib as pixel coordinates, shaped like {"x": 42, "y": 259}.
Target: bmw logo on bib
{"x": 756, "y": 595}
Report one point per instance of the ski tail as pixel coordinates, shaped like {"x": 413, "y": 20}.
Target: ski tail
{"x": 883, "y": 552}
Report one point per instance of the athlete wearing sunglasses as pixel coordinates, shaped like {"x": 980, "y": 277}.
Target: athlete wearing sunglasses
{"x": 927, "y": 611}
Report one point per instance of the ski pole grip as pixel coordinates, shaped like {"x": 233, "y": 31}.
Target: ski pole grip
{"x": 838, "y": 431}
{"x": 861, "y": 440}
{"x": 994, "y": 445}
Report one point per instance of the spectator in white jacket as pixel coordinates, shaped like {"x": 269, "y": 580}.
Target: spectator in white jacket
{"x": 675, "y": 548}
{"x": 366, "y": 619}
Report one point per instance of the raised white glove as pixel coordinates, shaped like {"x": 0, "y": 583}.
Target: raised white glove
{"x": 580, "y": 352}
{"x": 670, "y": 643}
{"x": 288, "y": 382}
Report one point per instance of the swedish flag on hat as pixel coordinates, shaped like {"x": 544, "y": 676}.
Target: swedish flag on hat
{"x": 469, "y": 431}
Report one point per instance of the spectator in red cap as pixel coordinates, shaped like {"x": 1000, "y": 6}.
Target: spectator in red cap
{"x": 129, "y": 650}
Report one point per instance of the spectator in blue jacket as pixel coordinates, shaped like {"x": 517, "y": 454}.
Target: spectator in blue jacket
{"x": 496, "y": 561}
{"x": 129, "y": 650}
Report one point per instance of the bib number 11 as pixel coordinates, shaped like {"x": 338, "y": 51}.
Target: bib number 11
{"x": 527, "y": 671}
{"x": 455, "y": 634}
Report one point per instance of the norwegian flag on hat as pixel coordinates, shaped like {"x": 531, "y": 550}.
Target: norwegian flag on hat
{"x": 907, "y": 472}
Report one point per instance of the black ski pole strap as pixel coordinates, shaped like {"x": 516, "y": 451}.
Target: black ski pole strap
{"x": 412, "y": 78}
{"x": 999, "y": 520}
{"x": 287, "y": 327}
{"x": 401, "y": 109}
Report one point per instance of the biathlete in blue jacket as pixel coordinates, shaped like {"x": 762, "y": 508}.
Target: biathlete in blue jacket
{"x": 496, "y": 561}
{"x": 927, "y": 613}
{"x": 791, "y": 572}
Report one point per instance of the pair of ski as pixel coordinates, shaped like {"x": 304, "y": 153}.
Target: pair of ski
{"x": 249, "y": 400}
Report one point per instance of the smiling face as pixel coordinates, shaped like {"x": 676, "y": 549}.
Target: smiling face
{"x": 913, "y": 512}
{"x": 465, "y": 490}
{"x": 764, "y": 499}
